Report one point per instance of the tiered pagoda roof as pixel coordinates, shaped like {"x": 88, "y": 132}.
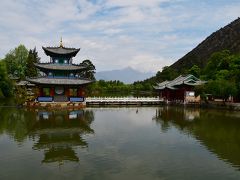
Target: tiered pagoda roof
{"x": 55, "y": 69}
{"x": 67, "y": 67}
{"x": 189, "y": 79}
{"x": 52, "y": 51}
{"x": 59, "y": 81}
{"x": 60, "y": 154}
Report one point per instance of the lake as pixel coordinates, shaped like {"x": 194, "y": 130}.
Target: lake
{"x": 119, "y": 143}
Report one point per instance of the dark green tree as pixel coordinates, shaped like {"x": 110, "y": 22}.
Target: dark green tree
{"x": 167, "y": 73}
{"x": 89, "y": 71}
{"x": 221, "y": 88}
{"x": 6, "y": 85}
{"x": 16, "y": 61}
{"x": 218, "y": 61}
{"x": 194, "y": 70}
{"x": 31, "y": 70}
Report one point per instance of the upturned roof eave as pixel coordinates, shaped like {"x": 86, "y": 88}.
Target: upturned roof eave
{"x": 50, "y": 66}
{"x": 180, "y": 80}
{"x": 58, "y": 81}
{"x": 57, "y": 51}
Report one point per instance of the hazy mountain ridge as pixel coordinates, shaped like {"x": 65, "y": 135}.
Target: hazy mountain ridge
{"x": 227, "y": 38}
{"x": 127, "y": 75}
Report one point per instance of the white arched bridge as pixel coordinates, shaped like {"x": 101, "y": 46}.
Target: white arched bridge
{"x": 123, "y": 100}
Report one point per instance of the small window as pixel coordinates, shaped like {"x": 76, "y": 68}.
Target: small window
{"x": 56, "y": 60}
{"x": 46, "y": 91}
{"x": 65, "y": 61}
{"x": 73, "y": 92}
{"x": 190, "y": 93}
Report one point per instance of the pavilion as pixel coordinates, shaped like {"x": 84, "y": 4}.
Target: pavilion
{"x": 60, "y": 79}
{"x": 180, "y": 89}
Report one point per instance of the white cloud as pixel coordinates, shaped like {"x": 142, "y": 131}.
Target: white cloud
{"x": 146, "y": 62}
{"x": 145, "y": 35}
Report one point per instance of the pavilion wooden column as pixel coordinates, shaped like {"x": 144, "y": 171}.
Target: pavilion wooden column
{"x": 168, "y": 95}
{"x": 52, "y": 91}
{"x": 67, "y": 92}
{"x": 40, "y": 91}
{"x": 81, "y": 92}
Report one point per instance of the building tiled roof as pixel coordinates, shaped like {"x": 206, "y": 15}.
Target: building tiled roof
{"x": 51, "y": 66}
{"x": 58, "y": 81}
{"x": 60, "y": 51}
{"x": 188, "y": 80}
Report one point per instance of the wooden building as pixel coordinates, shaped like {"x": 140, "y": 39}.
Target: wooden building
{"x": 180, "y": 89}
{"x": 60, "y": 80}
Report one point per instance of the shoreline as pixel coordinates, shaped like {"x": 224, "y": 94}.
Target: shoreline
{"x": 67, "y": 105}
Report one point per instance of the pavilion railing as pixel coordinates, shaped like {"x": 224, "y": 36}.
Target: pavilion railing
{"x": 45, "y": 99}
{"x": 76, "y": 99}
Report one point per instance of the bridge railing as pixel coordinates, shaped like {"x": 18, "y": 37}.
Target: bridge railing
{"x": 123, "y": 99}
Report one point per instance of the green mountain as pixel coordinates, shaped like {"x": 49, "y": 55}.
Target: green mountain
{"x": 226, "y": 38}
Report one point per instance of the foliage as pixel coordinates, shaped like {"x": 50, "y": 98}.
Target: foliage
{"x": 20, "y": 95}
{"x": 222, "y": 73}
{"x": 107, "y": 88}
{"x": 221, "y": 88}
{"x": 167, "y": 73}
{"x": 16, "y": 61}
{"x": 217, "y": 62}
{"x": 89, "y": 71}
{"x": 139, "y": 86}
{"x": 31, "y": 70}
{"x": 6, "y": 85}
{"x": 194, "y": 70}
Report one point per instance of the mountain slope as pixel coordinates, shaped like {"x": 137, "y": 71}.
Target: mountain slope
{"x": 126, "y": 75}
{"x": 227, "y": 37}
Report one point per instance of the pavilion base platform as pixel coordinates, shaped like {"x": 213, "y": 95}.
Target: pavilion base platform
{"x": 56, "y": 105}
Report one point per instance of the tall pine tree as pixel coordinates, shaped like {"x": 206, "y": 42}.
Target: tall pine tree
{"x": 6, "y": 85}
{"x": 31, "y": 70}
{"x": 89, "y": 71}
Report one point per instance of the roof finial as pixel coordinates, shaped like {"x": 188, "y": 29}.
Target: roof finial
{"x": 61, "y": 43}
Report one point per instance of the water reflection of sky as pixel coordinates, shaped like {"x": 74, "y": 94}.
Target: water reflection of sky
{"x": 119, "y": 143}
{"x": 216, "y": 130}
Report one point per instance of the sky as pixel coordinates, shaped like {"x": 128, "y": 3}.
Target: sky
{"x": 143, "y": 34}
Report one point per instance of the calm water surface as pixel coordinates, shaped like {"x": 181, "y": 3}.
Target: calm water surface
{"x": 119, "y": 143}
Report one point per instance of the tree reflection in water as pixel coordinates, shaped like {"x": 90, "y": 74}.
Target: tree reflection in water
{"x": 57, "y": 133}
{"x": 217, "y": 130}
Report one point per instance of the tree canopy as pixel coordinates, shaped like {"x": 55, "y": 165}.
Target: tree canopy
{"x": 31, "y": 70}
{"x": 89, "y": 71}
{"x": 16, "y": 61}
{"x": 222, "y": 73}
{"x": 195, "y": 70}
{"x": 5, "y": 83}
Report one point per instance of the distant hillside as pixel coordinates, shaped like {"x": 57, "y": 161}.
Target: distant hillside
{"x": 126, "y": 75}
{"x": 227, "y": 37}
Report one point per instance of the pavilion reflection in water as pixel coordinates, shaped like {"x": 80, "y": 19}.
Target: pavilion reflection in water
{"x": 60, "y": 132}
{"x": 217, "y": 130}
